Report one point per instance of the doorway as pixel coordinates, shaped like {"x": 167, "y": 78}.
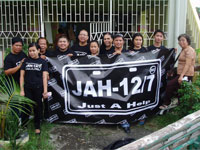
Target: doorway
{"x": 70, "y": 29}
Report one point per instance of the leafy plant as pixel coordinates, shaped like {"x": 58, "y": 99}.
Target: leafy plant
{"x": 12, "y": 130}
{"x": 189, "y": 98}
{"x": 10, "y": 101}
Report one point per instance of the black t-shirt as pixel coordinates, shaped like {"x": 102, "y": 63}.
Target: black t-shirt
{"x": 48, "y": 53}
{"x": 152, "y": 47}
{"x": 61, "y": 55}
{"x": 81, "y": 50}
{"x": 123, "y": 51}
{"x": 13, "y": 60}
{"x": 141, "y": 50}
{"x": 34, "y": 71}
{"x": 104, "y": 51}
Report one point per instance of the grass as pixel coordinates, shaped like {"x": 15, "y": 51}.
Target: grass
{"x": 36, "y": 142}
{"x": 39, "y": 142}
{"x": 42, "y": 142}
{"x": 157, "y": 122}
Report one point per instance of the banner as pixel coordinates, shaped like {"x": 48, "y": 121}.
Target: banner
{"x": 109, "y": 89}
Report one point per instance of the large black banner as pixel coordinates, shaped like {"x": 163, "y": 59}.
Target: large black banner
{"x": 109, "y": 88}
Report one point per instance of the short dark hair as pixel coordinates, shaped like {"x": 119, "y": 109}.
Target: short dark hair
{"x": 159, "y": 31}
{"x": 133, "y": 38}
{"x": 94, "y": 41}
{"x": 17, "y": 39}
{"x": 187, "y": 37}
{"x": 63, "y": 36}
{"x": 42, "y": 38}
{"x": 118, "y": 35}
{"x": 34, "y": 44}
{"x": 84, "y": 30}
{"x": 108, "y": 33}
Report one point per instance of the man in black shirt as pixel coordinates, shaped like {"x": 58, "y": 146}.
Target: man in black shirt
{"x": 63, "y": 49}
{"x": 82, "y": 48}
{"x": 118, "y": 42}
{"x": 14, "y": 59}
{"x": 157, "y": 46}
{"x": 44, "y": 52}
{"x": 159, "y": 36}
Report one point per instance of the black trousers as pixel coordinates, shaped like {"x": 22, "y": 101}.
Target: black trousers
{"x": 172, "y": 88}
{"x": 46, "y": 109}
{"x": 35, "y": 94}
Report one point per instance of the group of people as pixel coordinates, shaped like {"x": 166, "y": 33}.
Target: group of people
{"x": 31, "y": 72}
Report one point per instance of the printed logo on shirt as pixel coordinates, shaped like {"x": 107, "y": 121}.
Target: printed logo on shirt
{"x": 61, "y": 57}
{"x": 79, "y": 53}
{"x": 110, "y": 55}
{"x": 132, "y": 53}
{"x": 18, "y": 63}
{"x": 74, "y": 62}
{"x": 155, "y": 51}
{"x": 33, "y": 66}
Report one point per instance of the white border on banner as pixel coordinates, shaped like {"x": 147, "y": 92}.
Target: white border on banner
{"x": 111, "y": 66}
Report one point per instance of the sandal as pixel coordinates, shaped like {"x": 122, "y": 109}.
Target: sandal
{"x": 37, "y": 131}
{"x": 163, "y": 107}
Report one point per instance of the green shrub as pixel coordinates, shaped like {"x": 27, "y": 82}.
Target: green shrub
{"x": 189, "y": 98}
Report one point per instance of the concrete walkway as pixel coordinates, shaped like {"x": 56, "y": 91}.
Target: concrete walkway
{"x": 93, "y": 137}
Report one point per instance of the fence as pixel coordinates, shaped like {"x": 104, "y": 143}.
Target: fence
{"x": 194, "y": 22}
{"x": 176, "y": 136}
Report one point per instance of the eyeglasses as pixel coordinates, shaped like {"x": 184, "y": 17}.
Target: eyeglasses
{"x": 83, "y": 34}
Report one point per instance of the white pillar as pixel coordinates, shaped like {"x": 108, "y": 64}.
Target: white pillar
{"x": 176, "y": 21}
{"x": 41, "y": 19}
{"x": 111, "y": 20}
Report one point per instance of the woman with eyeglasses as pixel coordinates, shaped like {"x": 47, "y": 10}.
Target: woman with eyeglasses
{"x": 185, "y": 69}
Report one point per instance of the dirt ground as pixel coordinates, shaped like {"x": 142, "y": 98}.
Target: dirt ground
{"x": 91, "y": 137}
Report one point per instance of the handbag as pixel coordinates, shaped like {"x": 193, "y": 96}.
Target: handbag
{"x": 172, "y": 73}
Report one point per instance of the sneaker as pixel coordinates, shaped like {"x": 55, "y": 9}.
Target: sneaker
{"x": 126, "y": 127}
{"x": 141, "y": 122}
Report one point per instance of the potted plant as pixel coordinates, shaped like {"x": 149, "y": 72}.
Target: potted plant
{"x": 11, "y": 104}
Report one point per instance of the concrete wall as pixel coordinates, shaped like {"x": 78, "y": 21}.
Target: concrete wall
{"x": 170, "y": 129}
